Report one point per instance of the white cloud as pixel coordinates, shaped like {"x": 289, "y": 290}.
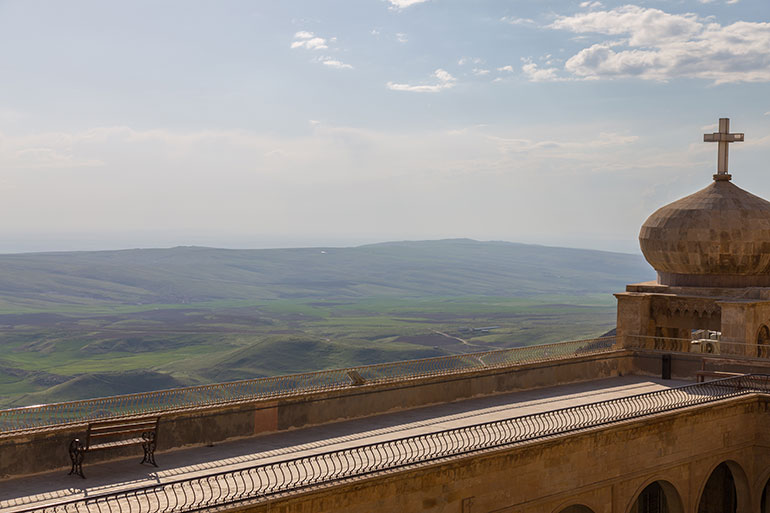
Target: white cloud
{"x": 443, "y": 76}
{"x": 536, "y": 74}
{"x": 468, "y": 60}
{"x": 45, "y": 151}
{"x": 591, "y": 5}
{"x": 763, "y": 142}
{"x": 445, "y": 81}
{"x": 51, "y": 158}
{"x": 401, "y": 37}
{"x": 480, "y": 71}
{"x": 276, "y": 153}
{"x": 645, "y": 26}
{"x": 654, "y": 45}
{"x": 507, "y": 68}
{"x": 334, "y": 63}
{"x": 517, "y": 21}
{"x": 317, "y": 43}
{"x": 567, "y": 147}
{"x": 403, "y": 4}
{"x": 309, "y": 41}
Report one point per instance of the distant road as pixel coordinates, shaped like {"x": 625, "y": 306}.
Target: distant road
{"x": 447, "y": 335}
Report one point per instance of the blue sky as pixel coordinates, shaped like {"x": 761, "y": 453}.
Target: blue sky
{"x": 293, "y": 123}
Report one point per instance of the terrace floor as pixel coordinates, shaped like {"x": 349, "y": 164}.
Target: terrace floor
{"x": 50, "y": 488}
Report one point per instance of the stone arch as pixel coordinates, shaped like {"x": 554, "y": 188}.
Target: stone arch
{"x": 576, "y": 508}
{"x": 764, "y": 492}
{"x": 763, "y": 341}
{"x": 725, "y": 490}
{"x": 658, "y": 496}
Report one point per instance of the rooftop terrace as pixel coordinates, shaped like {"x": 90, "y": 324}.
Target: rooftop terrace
{"x": 476, "y": 402}
{"x": 182, "y": 465}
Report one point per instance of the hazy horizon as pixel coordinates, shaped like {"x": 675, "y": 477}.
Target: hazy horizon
{"x": 47, "y": 244}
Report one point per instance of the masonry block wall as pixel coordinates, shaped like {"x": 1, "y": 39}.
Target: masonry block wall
{"x": 604, "y": 469}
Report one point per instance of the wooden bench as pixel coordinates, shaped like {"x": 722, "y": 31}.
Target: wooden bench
{"x": 112, "y": 434}
{"x": 701, "y": 375}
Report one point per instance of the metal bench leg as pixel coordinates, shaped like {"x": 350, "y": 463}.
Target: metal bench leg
{"x": 76, "y": 455}
{"x": 149, "y": 448}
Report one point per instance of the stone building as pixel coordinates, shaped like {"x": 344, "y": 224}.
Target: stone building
{"x": 711, "y": 251}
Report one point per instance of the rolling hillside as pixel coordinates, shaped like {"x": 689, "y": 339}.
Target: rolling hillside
{"x": 87, "y": 324}
{"x": 185, "y": 275}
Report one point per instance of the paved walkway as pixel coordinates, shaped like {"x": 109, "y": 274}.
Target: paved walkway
{"x": 50, "y": 488}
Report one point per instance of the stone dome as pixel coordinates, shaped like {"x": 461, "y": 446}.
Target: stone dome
{"x": 718, "y": 237}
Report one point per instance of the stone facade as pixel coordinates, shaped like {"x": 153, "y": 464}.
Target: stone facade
{"x": 602, "y": 470}
{"x": 741, "y": 315}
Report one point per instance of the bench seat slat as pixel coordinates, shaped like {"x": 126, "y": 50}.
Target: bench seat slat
{"x": 118, "y": 443}
{"x": 124, "y": 420}
{"x": 121, "y": 432}
{"x": 95, "y": 428}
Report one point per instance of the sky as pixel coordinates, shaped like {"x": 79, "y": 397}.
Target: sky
{"x": 255, "y": 124}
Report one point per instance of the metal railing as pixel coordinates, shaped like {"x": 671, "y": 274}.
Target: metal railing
{"x": 56, "y": 414}
{"x": 269, "y": 479}
{"x": 703, "y": 346}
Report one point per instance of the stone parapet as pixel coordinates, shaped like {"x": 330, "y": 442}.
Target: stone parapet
{"x": 46, "y": 449}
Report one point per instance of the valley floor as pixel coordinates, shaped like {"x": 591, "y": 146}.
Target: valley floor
{"x": 53, "y": 356}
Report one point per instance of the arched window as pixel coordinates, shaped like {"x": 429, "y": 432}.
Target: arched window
{"x": 658, "y": 497}
{"x": 765, "y": 504}
{"x": 577, "y": 508}
{"x": 726, "y": 489}
{"x": 763, "y": 339}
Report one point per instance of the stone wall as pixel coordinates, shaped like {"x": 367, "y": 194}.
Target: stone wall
{"x": 45, "y": 450}
{"x": 604, "y": 469}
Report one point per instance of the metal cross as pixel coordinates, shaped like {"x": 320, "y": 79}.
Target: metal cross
{"x": 723, "y": 137}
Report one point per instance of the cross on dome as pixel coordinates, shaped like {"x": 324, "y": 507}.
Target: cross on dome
{"x": 723, "y": 137}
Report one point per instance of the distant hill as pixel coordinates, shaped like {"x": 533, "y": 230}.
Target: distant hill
{"x": 184, "y": 275}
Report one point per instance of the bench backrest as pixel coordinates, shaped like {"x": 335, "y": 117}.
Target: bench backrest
{"x": 120, "y": 428}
